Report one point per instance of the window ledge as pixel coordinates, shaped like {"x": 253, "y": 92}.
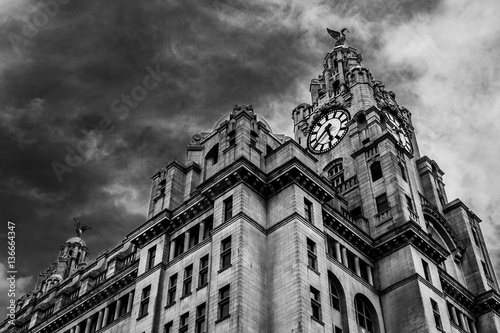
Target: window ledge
{"x": 314, "y": 270}
{"x": 184, "y": 296}
{"x": 225, "y": 268}
{"x": 144, "y": 315}
{"x": 317, "y": 320}
{"x": 169, "y": 305}
{"x": 202, "y": 286}
{"x": 222, "y": 319}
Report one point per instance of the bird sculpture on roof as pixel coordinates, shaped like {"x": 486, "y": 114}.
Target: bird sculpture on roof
{"x": 340, "y": 37}
{"x": 80, "y": 229}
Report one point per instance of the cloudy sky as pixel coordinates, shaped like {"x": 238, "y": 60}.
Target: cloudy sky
{"x": 66, "y": 71}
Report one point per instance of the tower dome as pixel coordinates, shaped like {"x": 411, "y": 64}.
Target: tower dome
{"x": 76, "y": 240}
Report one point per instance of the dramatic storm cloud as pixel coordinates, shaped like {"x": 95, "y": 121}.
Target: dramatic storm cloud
{"x": 122, "y": 86}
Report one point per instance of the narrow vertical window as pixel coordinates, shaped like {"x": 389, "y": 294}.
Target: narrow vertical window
{"x": 312, "y": 259}
{"x": 363, "y": 315}
{"x": 376, "y": 171}
{"x": 475, "y": 235}
{"x": 382, "y": 203}
{"x": 315, "y": 303}
{"x": 331, "y": 246}
{"x": 172, "y": 287}
{"x": 308, "y": 210}
{"x": 228, "y": 208}
{"x": 427, "y": 273}
{"x": 437, "y": 315}
{"x": 409, "y": 204}
{"x": 203, "y": 276}
{"x": 168, "y": 327}
{"x": 200, "y": 318}
{"x": 225, "y": 256}
{"x": 188, "y": 275}
{"x": 224, "y": 302}
{"x": 402, "y": 170}
{"x": 151, "y": 257}
{"x": 486, "y": 270}
{"x": 143, "y": 309}
{"x": 337, "y": 329}
{"x": 183, "y": 323}
{"x": 334, "y": 295}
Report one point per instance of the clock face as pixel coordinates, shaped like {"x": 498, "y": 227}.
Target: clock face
{"x": 328, "y": 131}
{"x": 397, "y": 131}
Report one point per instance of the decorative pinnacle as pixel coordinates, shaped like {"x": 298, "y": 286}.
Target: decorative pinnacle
{"x": 340, "y": 37}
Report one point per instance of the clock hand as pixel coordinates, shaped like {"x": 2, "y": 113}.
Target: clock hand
{"x": 326, "y": 131}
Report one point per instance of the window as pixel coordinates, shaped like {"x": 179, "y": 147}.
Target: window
{"x": 330, "y": 249}
{"x": 203, "y": 277}
{"x": 364, "y": 269}
{"x": 308, "y": 210}
{"x": 382, "y": 203}
{"x": 376, "y": 171}
{"x": 427, "y": 273}
{"x": 225, "y": 256}
{"x": 486, "y": 271}
{"x": 451, "y": 309}
{"x": 475, "y": 235}
{"x": 356, "y": 212}
{"x": 172, "y": 287}
{"x": 200, "y": 318}
{"x": 228, "y": 208}
{"x": 179, "y": 245}
{"x": 209, "y": 224}
{"x": 437, "y": 316}
{"x": 315, "y": 303}
{"x": 183, "y": 322}
{"x": 402, "y": 169}
{"x": 334, "y": 296}
{"x": 212, "y": 156}
{"x": 143, "y": 309}
{"x": 168, "y": 327}
{"x": 337, "y": 329}
{"x": 231, "y": 138}
{"x": 312, "y": 261}
{"x": 336, "y": 181}
{"x": 351, "y": 259}
{"x": 363, "y": 315}
{"x": 224, "y": 302}
{"x": 151, "y": 258}
{"x": 188, "y": 274}
{"x": 409, "y": 203}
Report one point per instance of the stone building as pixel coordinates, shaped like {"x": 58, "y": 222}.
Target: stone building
{"x": 345, "y": 228}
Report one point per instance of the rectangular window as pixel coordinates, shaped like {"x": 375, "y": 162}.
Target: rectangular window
{"x": 475, "y": 235}
{"x": 486, "y": 270}
{"x": 183, "y": 322}
{"x": 330, "y": 242}
{"x": 334, "y": 295}
{"x": 209, "y": 224}
{"x": 427, "y": 273}
{"x": 200, "y": 318}
{"x": 225, "y": 255}
{"x": 351, "y": 258}
{"x": 364, "y": 268}
{"x": 203, "y": 277}
{"x": 228, "y": 208}
{"x": 376, "y": 171}
{"x": 315, "y": 303}
{"x": 179, "y": 245}
{"x": 172, "y": 287}
{"x": 409, "y": 204}
{"x": 382, "y": 203}
{"x": 356, "y": 212}
{"x": 188, "y": 275}
{"x": 168, "y": 327}
{"x": 143, "y": 309}
{"x": 337, "y": 329}
{"x": 312, "y": 260}
{"x": 308, "y": 210}
{"x": 402, "y": 169}
{"x": 151, "y": 258}
{"x": 437, "y": 316}
{"x": 224, "y": 302}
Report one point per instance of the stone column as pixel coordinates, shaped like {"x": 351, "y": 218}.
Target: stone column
{"x": 187, "y": 240}
{"x": 130, "y": 301}
{"x": 338, "y": 254}
{"x": 357, "y": 269}
{"x": 118, "y": 308}
{"x": 77, "y": 329}
{"x": 89, "y": 325}
{"x": 172, "y": 249}
{"x": 202, "y": 232}
{"x": 72, "y": 330}
{"x": 106, "y": 316}
{"x": 370, "y": 274}
{"x": 344, "y": 256}
{"x": 461, "y": 320}
{"x": 99, "y": 320}
{"x": 473, "y": 327}
{"x": 454, "y": 315}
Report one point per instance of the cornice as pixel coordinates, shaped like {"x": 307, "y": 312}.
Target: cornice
{"x": 456, "y": 291}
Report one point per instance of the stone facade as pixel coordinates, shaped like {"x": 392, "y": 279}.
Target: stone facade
{"x": 254, "y": 233}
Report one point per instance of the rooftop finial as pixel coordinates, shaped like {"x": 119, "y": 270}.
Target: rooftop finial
{"x": 340, "y": 38}
{"x": 80, "y": 229}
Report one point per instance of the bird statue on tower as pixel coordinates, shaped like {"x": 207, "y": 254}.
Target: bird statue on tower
{"x": 340, "y": 37}
{"x": 80, "y": 229}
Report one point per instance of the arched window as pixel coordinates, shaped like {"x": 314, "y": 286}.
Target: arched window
{"x": 366, "y": 316}
{"x": 361, "y": 120}
{"x": 337, "y": 302}
{"x": 335, "y": 172}
{"x": 212, "y": 155}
